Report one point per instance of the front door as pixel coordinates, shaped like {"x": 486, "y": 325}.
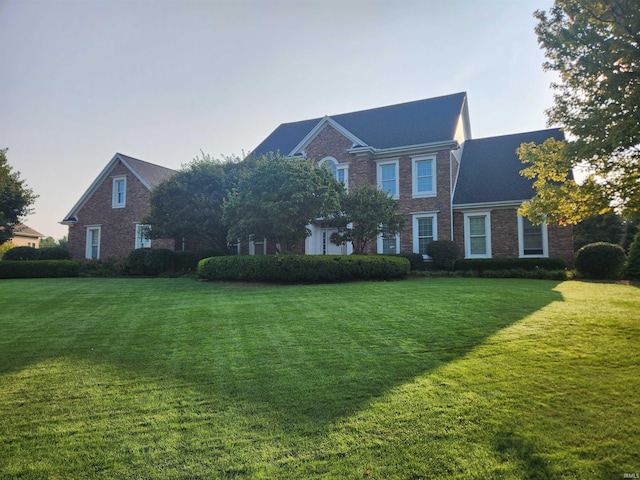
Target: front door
{"x": 320, "y": 242}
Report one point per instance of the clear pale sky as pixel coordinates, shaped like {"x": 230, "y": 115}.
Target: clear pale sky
{"x": 163, "y": 80}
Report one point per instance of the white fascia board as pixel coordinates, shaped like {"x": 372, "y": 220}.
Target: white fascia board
{"x": 318, "y": 128}
{"x": 485, "y": 205}
{"x": 406, "y": 149}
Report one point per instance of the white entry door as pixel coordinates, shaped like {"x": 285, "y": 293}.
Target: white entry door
{"x": 319, "y": 243}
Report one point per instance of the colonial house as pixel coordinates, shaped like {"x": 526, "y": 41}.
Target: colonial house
{"x": 448, "y": 185}
{"x": 106, "y": 221}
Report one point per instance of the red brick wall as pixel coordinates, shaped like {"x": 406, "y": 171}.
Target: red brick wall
{"x": 118, "y": 225}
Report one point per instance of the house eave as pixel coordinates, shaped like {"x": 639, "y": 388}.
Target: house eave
{"x": 485, "y": 205}
{"x": 405, "y": 149}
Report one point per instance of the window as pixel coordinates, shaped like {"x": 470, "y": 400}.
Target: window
{"x": 532, "y": 239}
{"x": 339, "y": 172}
{"x": 477, "y": 235}
{"x": 257, "y": 247}
{"x": 389, "y": 244}
{"x": 424, "y": 176}
{"x": 93, "y": 243}
{"x": 142, "y": 236}
{"x": 425, "y": 231}
{"x": 388, "y": 178}
{"x": 119, "y": 196}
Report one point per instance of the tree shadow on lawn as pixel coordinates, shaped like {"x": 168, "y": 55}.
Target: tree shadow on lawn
{"x": 297, "y": 373}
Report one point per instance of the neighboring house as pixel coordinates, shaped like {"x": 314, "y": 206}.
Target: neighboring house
{"x": 449, "y": 186}
{"x": 24, "y": 236}
{"x": 106, "y": 221}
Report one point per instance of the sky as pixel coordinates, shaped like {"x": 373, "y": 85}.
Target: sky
{"x": 165, "y": 80}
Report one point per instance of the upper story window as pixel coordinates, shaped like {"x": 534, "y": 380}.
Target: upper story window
{"x": 339, "y": 171}
{"x": 119, "y": 192}
{"x": 424, "y": 176}
{"x": 532, "y": 239}
{"x": 477, "y": 235}
{"x": 388, "y": 178}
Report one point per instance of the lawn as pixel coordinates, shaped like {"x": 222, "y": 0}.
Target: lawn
{"x": 432, "y": 378}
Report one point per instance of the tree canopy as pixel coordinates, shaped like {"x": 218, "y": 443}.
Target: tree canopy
{"x": 15, "y": 198}
{"x": 278, "y": 198}
{"x": 369, "y": 212}
{"x": 594, "y": 46}
{"x": 189, "y": 204}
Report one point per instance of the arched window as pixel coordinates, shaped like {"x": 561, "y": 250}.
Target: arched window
{"x": 339, "y": 171}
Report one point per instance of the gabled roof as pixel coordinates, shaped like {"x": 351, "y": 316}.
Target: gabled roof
{"x": 149, "y": 174}
{"x": 25, "y": 231}
{"x": 490, "y": 169}
{"x": 421, "y": 122}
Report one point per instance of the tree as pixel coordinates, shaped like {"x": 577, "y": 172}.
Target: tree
{"x": 15, "y": 198}
{"x": 278, "y": 199}
{"x": 368, "y": 213}
{"x": 594, "y": 45}
{"x": 599, "y": 228}
{"x": 189, "y": 204}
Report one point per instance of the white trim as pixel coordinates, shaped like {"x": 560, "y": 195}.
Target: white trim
{"x": 485, "y": 205}
{"x": 380, "y": 244}
{"x": 115, "y": 203}
{"x": 407, "y": 149}
{"x": 384, "y": 163}
{"x": 344, "y": 167}
{"x": 414, "y": 176}
{"x": 88, "y": 249}
{"x": 545, "y": 240}
{"x": 487, "y": 234}
{"x": 138, "y": 240}
{"x": 252, "y": 246}
{"x": 414, "y": 224}
{"x": 318, "y": 128}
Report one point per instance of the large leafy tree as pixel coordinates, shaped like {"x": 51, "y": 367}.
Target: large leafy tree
{"x": 278, "y": 198}
{"x": 189, "y": 204}
{"x": 15, "y": 198}
{"x": 369, "y": 212}
{"x": 594, "y": 46}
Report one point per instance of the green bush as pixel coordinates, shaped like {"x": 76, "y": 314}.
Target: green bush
{"x": 22, "y": 254}
{"x": 101, "y": 268}
{"x": 632, "y": 267}
{"x": 415, "y": 260}
{"x": 482, "y": 264}
{"x": 444, "y": 253}
{"x": 159, "y": 260}
{"x": 38, "y": 268}
{"x": 53, "y": 253}
{"x": 303, "y": 268}
{"x": 600, "y": 260}
{"x": 134, "y": 265}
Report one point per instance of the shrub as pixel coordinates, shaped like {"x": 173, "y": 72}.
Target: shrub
{"x": 22, "y": 254}
{"x": 415, "y": 260}
{"x": 303, "y": 268}
{"x": 101, "y": 268}
{"x": 632, "y": 267}
{"x": 53, "y": 253}
{"x": 443, "y": 253}
{"x": 159, "y": 260}
{"x": 600, "y": 260}
{"x": 134, "y": 264}
{"x": 482, "y": 264}
{"x": 38, "y": 268}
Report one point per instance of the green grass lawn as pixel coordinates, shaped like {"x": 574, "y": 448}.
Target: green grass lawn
{"x": 435, "y": 378}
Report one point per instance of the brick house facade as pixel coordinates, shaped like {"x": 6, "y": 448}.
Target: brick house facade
{"x": 448, "y": 185}
{"x": 105, "y": 223}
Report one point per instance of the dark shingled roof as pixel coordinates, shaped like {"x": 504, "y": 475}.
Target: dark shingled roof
{"x": 413, "y": 123}
{"x": 490, "y": 168}
{"x": 153, "y": 174}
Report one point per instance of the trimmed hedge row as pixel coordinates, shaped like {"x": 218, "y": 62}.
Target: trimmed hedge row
{"x": 482, "y": 264}
{"x": 303, "y": 268}
{"x": 38, "y": 268}
{"x": 31, "y": 253}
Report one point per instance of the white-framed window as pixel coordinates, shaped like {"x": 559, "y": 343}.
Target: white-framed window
{"x": 477, "y": 235}
{"x": 423, "y": 176}
{"x": 119, "y": 192}
{"x": 388, "y": 178}
{"x": 142, "y": 236}
{"x": 93, "y": 243}
{"x": 425, "y": 231}
{"x": 257, "y": 246}
{"x": 389, "y": 244}
{"x": 532, "y": 239}
{"x": 339, "y": 171}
